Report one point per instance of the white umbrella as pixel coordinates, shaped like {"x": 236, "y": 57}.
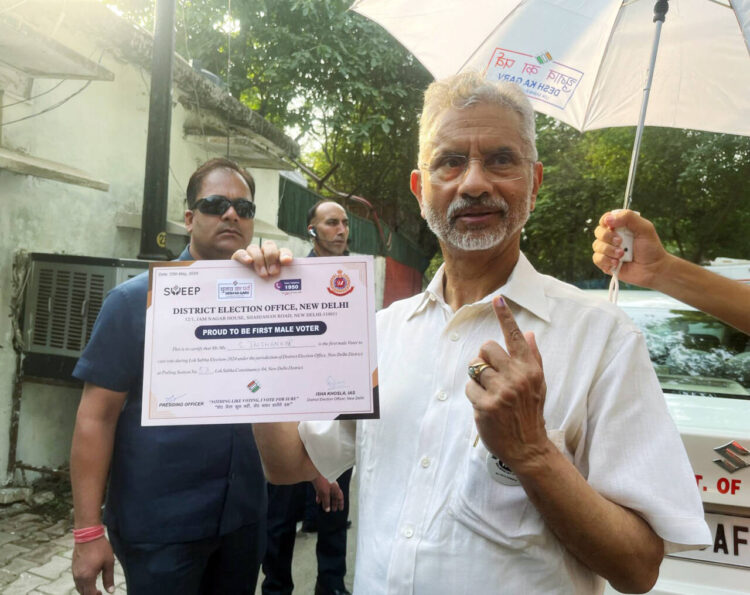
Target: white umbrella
{"x": 589, "y": 62}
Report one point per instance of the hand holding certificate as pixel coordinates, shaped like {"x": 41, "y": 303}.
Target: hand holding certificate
{"x": 224, "y": 345}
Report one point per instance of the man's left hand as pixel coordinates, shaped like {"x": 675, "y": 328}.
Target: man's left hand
{"x": 508, "y": 397}
{"x": 328, "y": 494}
{"x": 267, "y": 259}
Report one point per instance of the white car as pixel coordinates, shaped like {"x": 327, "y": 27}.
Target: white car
{"x": 703, "y": 366}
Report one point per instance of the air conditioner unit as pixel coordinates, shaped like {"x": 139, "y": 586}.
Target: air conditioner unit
{"x": 63, "y": 299}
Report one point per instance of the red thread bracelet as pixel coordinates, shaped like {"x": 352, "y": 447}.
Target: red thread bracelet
{"x": 88, "y": 534}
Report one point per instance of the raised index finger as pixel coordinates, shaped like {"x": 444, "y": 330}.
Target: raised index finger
{"x": 515, "y": 343}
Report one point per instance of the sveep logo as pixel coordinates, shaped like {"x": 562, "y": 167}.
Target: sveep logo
{"x": 181, "y": 290}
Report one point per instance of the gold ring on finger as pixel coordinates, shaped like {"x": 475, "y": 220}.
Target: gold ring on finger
{"x": 475, "y": 370}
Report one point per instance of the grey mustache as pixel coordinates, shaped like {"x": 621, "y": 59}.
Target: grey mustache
{"x": 489, "y": 203}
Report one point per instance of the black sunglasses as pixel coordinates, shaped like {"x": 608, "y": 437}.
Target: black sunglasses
{"x": 218, "y": 205}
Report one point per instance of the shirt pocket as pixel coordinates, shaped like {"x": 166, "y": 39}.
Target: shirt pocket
{"x": 498, "y": 512}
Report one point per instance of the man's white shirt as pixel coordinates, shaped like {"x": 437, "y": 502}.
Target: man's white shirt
{"x": 431, "y": 518}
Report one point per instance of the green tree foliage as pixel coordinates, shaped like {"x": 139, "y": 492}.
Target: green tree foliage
{"x": 346, "y": 86}
{"x": 694, "y": 186}
{"x": 689, "y": 183}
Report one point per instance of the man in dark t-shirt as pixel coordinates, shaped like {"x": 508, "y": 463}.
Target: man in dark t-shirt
{"x": 185, "y": 505}
{"x": 324, "y": 504}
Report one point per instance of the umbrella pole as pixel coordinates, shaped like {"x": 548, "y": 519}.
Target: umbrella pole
{"x": 660, "y": 10}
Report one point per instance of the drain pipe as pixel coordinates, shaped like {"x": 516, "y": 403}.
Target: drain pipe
{"x": 156, "y": 181}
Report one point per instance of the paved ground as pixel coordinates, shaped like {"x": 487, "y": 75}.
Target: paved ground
{"x": 35, "y": 555}
{"x": 36, "y": 550}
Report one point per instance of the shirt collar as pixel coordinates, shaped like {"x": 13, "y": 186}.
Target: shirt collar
{"x": 433, "y": 293}
{"x": 525, "y": 287}
{"x": 185, "y": 254}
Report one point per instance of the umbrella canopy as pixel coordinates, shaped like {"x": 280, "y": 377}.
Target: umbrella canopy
{"x": 586, "y": 62}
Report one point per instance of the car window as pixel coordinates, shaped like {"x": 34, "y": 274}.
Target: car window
{"x": 694, "y": 353}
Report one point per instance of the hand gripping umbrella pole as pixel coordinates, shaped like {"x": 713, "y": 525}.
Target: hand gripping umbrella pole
{"x": 660, "y": 10}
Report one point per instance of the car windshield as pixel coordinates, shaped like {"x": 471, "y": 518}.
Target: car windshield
{"x": 694, "y": 353}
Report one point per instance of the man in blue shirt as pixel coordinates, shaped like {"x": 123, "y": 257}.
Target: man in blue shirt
{"x": 185, "y": 506}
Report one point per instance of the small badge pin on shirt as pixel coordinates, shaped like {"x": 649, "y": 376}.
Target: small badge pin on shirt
{"x": 500, "y": 472}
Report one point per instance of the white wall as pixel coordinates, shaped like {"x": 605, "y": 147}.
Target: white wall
{"x": 103, "y": 132}
{"x": 266, "y": 194}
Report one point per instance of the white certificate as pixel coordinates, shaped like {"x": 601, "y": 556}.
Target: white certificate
{"x": 226, "y": 346}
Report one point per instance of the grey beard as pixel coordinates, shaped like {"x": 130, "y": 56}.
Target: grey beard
{"x": 479, "y": 239}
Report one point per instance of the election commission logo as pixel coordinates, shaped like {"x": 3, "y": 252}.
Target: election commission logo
{"x": 235, "y": 289}
{"x": 340, "y": 284}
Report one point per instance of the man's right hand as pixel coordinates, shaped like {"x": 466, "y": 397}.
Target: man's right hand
{"x": 89, "y": 559}
{"x": 266, "y": 259}
{"x": 649, "y": 256}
